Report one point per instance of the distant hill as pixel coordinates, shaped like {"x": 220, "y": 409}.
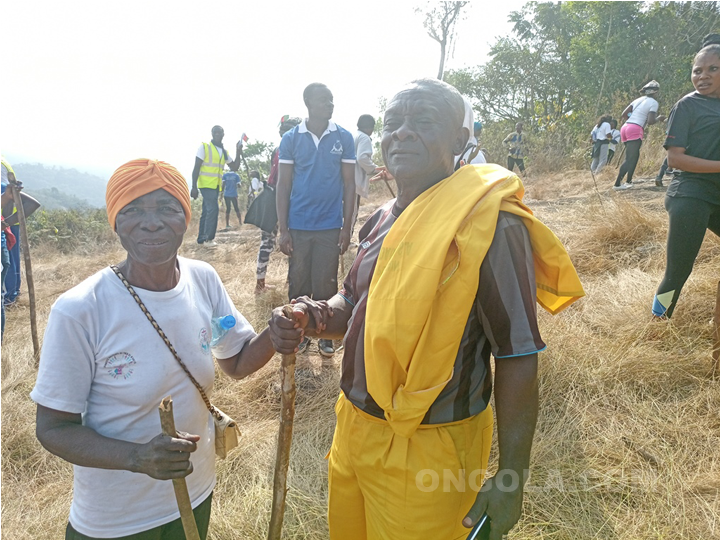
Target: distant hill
{"x": 54, "y": 199}
{"x": 57, "y": 187}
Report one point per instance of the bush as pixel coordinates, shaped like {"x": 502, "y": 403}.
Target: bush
{"x": 70, "y": 230}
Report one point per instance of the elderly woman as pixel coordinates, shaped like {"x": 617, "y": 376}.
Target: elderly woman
{"x": 104, "y": 369}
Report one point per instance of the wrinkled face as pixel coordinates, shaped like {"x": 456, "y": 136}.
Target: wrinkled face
{"x": 421, "y": 136}
{"x": 151, "y": 228}
{"x": 320, "y": 104}
{"x": 706, "y": 75}
{"x": 217, "y": 135}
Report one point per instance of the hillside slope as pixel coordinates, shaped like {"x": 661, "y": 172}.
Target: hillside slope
{"x": 75, "y": 189}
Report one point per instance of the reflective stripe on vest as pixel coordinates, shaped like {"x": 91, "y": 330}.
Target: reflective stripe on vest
{"x": 211, "y": 170}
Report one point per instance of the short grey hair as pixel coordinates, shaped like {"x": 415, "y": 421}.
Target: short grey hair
{"x": 449, "y": 94}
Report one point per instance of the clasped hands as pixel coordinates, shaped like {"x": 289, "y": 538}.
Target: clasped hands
{"x": 309, "y": 317}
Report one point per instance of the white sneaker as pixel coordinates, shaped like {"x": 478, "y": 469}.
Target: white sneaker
{"x": 622, "y": 187}
{"x": 211, "y": 243}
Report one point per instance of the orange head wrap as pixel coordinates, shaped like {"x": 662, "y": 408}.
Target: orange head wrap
{"x": 140, "y": 177}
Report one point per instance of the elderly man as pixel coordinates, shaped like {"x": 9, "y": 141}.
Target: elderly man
{"x": 446, "y": 275}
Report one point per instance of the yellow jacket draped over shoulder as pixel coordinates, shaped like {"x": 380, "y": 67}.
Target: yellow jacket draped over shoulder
{"x": 426, "y": 280}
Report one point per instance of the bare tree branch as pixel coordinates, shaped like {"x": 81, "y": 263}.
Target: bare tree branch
{"x": 439, "y": 23}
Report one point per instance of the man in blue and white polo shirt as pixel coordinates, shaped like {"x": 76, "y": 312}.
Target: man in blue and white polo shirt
{"x": 316, "y": 200}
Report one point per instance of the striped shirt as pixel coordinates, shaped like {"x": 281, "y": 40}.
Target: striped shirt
{"x": 501, "y": 322}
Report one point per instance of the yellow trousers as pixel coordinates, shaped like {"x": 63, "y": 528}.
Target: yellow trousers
{"x": 388, "y": 487}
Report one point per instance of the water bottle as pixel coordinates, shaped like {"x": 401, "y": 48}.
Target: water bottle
{"x": 220, "y": 327}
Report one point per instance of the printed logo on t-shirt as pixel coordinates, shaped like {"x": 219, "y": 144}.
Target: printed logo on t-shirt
{"x": 204, "y": 339}
{"x": 120, "y": 365}
{"x": 337, "y": 148}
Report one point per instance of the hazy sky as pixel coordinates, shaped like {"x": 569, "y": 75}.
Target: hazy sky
{"x": 93, "y": 84}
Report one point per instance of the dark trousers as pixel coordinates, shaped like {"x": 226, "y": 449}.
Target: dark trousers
{"x": 169, "y": 531}
{"x": 689, "y": 219}
{"x": 209, "y": 216}
{"x": 314, "y": 264}
{"x": 234, "y": 202}
{"x": 12, "y": 279}
{"x": 632, "y": 155}
{"x": 611, "y": 153}
{"x": 520, "y": 162}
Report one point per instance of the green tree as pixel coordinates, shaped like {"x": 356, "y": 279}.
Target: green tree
{"x": 257, "y": 156}
{"x": 565, "y": 63}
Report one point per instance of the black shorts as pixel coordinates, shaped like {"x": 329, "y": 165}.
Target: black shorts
{"x": 231, "y": 201}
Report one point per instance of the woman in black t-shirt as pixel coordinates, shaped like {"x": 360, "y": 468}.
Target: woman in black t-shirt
{"x": 693, "y": 197}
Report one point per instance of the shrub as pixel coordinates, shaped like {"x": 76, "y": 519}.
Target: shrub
{"x": 70, "y": 230}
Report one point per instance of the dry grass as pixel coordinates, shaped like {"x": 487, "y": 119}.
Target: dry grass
{"x": 628, "y": 440}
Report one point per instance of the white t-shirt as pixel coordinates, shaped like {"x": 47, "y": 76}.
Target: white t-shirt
{"x": 641, "y": 108}
{"x": 479, "y": 159}
{"x": 614, "y": 136}
{"x": 364, "y": 165}
{"x": 469, "y": 124}
{"x": 469, "y": 149}
{"x": 201, "y": 153}
{"x": 102, "y": 358}
{"x": 603, "y": 131}
{"x": 255, "y": 185}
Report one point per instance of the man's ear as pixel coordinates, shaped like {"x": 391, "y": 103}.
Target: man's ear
{"x": 461, "y": 139}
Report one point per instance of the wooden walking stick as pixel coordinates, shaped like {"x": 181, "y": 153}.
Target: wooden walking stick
{"x": 597, "y": 190}
{"x": 282, "y": 458}
{"x": 716, "y": 332}
{"x": 25, "y": 248}
{"x": 167, "y": 421}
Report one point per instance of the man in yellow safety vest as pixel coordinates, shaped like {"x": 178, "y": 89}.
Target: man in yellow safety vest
{"x": 210, "y": 161}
